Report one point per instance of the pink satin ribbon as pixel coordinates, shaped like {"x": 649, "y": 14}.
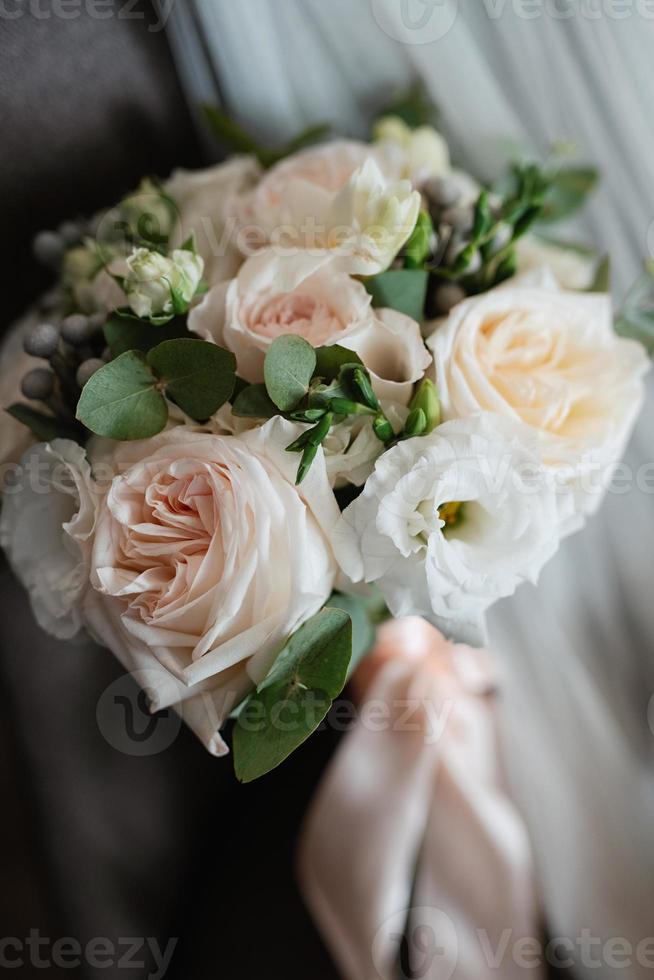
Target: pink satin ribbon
{"x": 412, "y": 833}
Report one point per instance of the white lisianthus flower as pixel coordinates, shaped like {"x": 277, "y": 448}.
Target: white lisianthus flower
{"x": 351, "y": 447}
{"x": 204, "y": 199}
{"x": 423, "y": 151}
{"x": 450, "y": 522}
{"x": 571, "y": 268}
{"x": 206, "y": 558}
{"x": 309, "y": 295}
{"x": 46, "y": 527}
{"x": 551, "y": 360}
{"x": 151, "y": 279}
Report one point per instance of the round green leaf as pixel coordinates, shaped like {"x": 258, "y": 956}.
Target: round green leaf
{"x": 253, "y": 403}
{"x": 198, "y": 376}
{"x": 295, "y": 696}
{"x": 121, "y": 400}
{"x": 288, "y": 370}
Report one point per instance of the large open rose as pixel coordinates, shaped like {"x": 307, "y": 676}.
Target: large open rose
{"x": 206, "y": 558}
{"x": 309, "y": 296}
{"x": 552, "y": 360}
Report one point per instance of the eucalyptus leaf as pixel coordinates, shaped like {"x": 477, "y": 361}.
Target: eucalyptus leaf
{"x": 237, "y": 139}
{"x": 415, "y": 108}
{"x": 330, "y": 360}
{"x": 295, "y": 696}
{"x": 568, "y": 191}
{"x": 636, "y": 318}
{"x": 121, "y": 400}
{"x": 45, "y": 427}
{"x": 253, "y": 402}
{"x": 198, "y": 376}
{"x": 124, "y": 333}
{"x": 288, "y": 369}
{"x": 403, "y": 290}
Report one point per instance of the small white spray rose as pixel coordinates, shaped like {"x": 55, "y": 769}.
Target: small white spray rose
{"x": 152, "y": 279}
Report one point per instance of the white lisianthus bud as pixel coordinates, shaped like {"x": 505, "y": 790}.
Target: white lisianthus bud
{"x": 371, "y": 220}
{"x": 425, "y": 152}
{"x": 155, "y": 283}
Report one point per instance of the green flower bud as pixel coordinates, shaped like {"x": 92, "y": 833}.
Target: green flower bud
{"x": 426, "y": 398}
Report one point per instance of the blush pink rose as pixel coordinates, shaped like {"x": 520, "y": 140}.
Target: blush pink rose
{"x": 309, "y": 296}
{"x": 206, "y": 558}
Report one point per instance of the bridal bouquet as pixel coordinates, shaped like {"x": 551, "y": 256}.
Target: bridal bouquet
{"x": 283, "y": 397}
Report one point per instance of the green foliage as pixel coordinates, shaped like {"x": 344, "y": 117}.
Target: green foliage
{"x": 636, "y": 317}
{"x": 45, "y": 427}
{"x": 418, "y": 248}
{"x": 289, "y": 704}
{"x": 426, "y": 400}
{"x": 198, "y": 376}
{"x": 415, "y": 108}
{"x": 253, "y": 402}
{"x": 602, "y": 280}
{"x": 329, "y": 361}
{"x": 569, "y": 189}
{"x": 124, "y": 399}
{"x": 237, "y": 140}
{"x": 288, "y": 369}
{"x": 124, "y": 333}
{"x": 403, "y": 290}
{"x": 121, "y": 400}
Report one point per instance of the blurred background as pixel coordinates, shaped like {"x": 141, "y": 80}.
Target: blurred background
{"x": 110, "y": 836}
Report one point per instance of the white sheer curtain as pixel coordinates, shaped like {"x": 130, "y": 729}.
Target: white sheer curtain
{"x": 578, "y": 653}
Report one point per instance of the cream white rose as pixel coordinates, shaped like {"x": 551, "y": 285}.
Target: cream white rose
{"x": 151, "y": 278}
{"x": 46, "y": 524}
{"x": 450, "y": 522}
{"x": 551, "y": 360}
{"x": 311, "y": 297}
{"x": 206, "y": 558}
{"x": 571, "y": 268}
{"x": 204, "y": 199}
